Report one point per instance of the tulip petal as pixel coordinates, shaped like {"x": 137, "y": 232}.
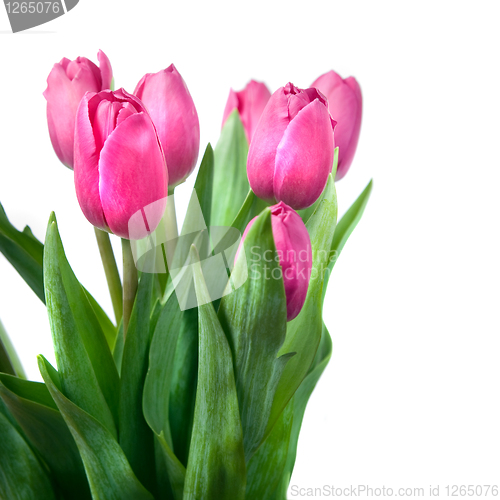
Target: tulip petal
{"x": 294, "y": 247}
{"x": 262, "y": 152}
{"x": 174, "y": 115}
{"x": 87, "y": 79}
{"x": 232, "y": 103}
{"x": 106, "y": 71}
{"x": 132, "y": 175}
{"x": 304, "y": 157}
{"x": 61, "y": 109}
{"x": 87, "y": 165}
{"x": 349, "y": 124}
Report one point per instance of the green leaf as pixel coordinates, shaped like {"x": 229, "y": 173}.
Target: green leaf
{"x": 88, "y": 374}
{"x": 161, "y": 364}
{"x": 38, "y": 416}
{"x": 266, "y": 468}
{"x": 183, "y": 385}
{"x": 254, "y": 319}
{"x": 204, "y": 184}
{"x": 107, "y": 326}
{"x": 299, "y": 403}
{"x": 252, "y": 206}
{"x": 9, "y": 360}
{"x": 136, "y": 438}
{"x": 216, "y": 466}
{"x": 345, "y": 227}
{"x": 230, "y": 173}
{"x": 24, "y": 252}
{"x": 175, "y": 471}
{"x": 109, "y": 473}
{"x": 21, "y": 474}
{"x": 304, "y": 332}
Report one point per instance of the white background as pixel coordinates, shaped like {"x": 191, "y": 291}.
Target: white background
{"x": 411, "y": 396}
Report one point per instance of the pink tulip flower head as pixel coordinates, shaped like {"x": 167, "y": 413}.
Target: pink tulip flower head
{"x": 345, "y": 104}
{"x": 120, "y": 168}
{"x": 293, "y": 247}
{"x": 250, "y": 103}
{"x": 172, "y": 110}
{"x": 291, "y": 153}
{"x": 67, "y": 83}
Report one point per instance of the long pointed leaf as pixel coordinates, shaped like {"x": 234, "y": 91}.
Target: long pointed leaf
{"x": 254, "y": 319}
{"x": 109, "y": 473}
{"x": 136, "y": 438}
{"x": 21, "y": 474}
{"x": 37, "y": 414}
{"x": 216, "y": 467}
{"x": 304, "y": 332}
{"x": 87, "y": 371}
{"x": 230, "y": 174}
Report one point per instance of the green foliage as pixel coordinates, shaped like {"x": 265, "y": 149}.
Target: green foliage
{"x": 198, "y": 404}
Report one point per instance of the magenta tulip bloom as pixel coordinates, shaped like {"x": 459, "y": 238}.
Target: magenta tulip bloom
{"x": 120, "y": 168}
{"x": 293, "y": 247}
{"x": 291, "y": 153}
{"x": 345, "y": 104}
{"x": 66, "y": 85}
{"x": 172, "y": 109}
{"x": 250, "y": 102}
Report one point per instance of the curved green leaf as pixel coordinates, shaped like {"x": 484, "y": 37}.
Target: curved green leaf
{"x": 216, "y": 466}
{"x": 183, "y": 385}
{"x": 88, "y": 374}
{"x": 21, "y": 474}
{"x": 230, "y": 172}
{"x": 254, "y": 319}
{"x": 299, "y": 402}
{"x": 345, "y": 227}
{"x": 9, "y": 360}
{"x": 38, "y": 416}
{"x": 136, "y": 438}
{"x": 266, "y": 468}
{"x": 109, "y": 473}
{"x": 304, "y": 332}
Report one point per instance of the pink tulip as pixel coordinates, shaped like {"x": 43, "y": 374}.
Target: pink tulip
{"x": 120, "y": 169}
{"x": 250, "y": 102}
{"x": 172, "y": 110}
{"x": 66, "y": 85}
{"x": 345, "y": 104}
{"x": 291, "y": 153}
{"x": 293, "y": 247}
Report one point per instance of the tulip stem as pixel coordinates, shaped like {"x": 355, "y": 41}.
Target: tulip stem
{"x": 111, "y": 272}
{"x": 129, "y": 284}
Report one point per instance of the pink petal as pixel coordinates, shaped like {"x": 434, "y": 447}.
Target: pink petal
{"x": 174, "y": 115}
{"x": 304, "y": 157}
{"x": 62, "y": 104}
{"x": 106, "y": 71}
{"x": 132, "y": 175}
{"x": 87, "y": 165}
{"x": 262, "y": 152}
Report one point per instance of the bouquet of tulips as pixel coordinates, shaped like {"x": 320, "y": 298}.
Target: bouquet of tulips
{"x": 198, "y": 389}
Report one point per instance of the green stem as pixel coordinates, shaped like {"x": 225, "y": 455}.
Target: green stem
{"x": 9, "y": 361}
{"x": 129, "y": 284}
{"x": 111, "y": 271}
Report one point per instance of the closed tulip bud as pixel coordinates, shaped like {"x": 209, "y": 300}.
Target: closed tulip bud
{"x": 66, "y": 85}
{"x": 250, "y": 102}
{"x": 172, "y": 110}
{"x": 345, "y": 104}
{"x": 293, "y": 247}
{"x": 291, "y": 153}
{"x": 120, "y": 168}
